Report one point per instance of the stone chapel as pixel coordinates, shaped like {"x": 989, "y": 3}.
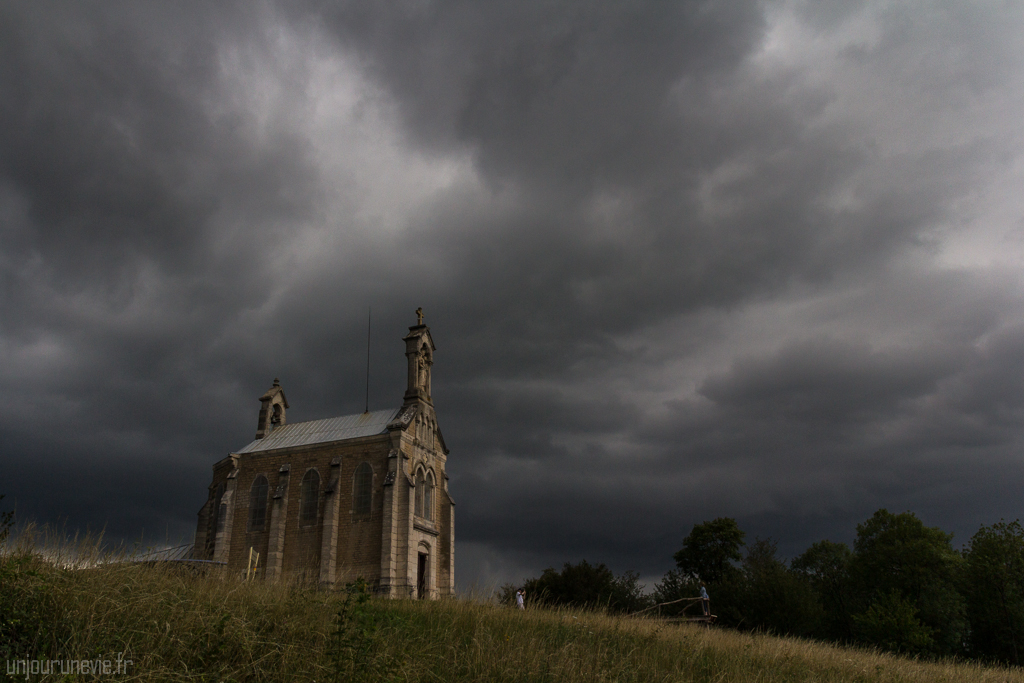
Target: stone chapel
{"x": 329, "y": 501}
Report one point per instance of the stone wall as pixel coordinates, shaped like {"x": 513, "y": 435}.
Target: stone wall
{"x": 381, "y": 547}
{"x": 287, "y": 548}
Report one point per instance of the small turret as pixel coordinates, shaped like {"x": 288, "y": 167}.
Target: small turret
{"x": 273, "y": 405}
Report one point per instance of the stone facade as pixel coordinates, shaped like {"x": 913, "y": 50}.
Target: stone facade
{"x": 329, "y": 501}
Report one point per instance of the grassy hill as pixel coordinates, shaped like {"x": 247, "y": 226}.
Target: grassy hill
{"x": 171, "y": 626}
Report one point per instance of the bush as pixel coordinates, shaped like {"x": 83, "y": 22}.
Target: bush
{"x": 676, "y": 585}
{"x": 31, "y": 621}
{"x": 6, "y": 522}
{"x": 891, "y": 624}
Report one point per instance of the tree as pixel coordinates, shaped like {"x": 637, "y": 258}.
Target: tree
{"x": 898, "y": 554}
{"x": 588, "y": 586}
{"x": 774, "y": 598}
{"x": 674, "y": 586}
{"x": 994, "y": 588}
{"x": 826, "y": 565}
{"x": 628, "y": 594}
{"x": 710, "y": 550}
{"x": 578, "y": 585}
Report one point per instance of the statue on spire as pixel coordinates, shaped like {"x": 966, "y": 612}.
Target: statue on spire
{"x": 419, "y": 316}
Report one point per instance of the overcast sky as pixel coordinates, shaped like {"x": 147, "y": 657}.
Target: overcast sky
{"x": 681, "y": 260}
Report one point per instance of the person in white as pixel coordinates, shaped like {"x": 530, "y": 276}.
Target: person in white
{"x": 705, "y": 601}
{"x": 520, "y": 597}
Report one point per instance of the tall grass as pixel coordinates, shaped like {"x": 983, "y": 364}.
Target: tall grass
{"x": 174, "y": 625}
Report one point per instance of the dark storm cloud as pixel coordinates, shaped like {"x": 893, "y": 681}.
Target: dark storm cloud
{"x": 681, "y": 260}
{"x": 117, "y": 172}
{"x": 826, "y": 380}
{"x": 815, "y": 430}
{"x": 570, "y": 93}
{"x": 106, "y": 126}
{"x": 716, "y": 183}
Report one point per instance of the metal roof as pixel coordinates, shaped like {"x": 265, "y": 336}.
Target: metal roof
{"x": 322, "y": 431}
{"x": 181, "y": 552}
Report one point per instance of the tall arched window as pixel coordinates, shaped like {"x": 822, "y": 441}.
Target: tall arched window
{"x": 217, "y": 519}
{"x": 310, "y": 497}
{"x": 420, "y": 483}
{"x": 362, "y": 489}
{"x": 258, "y": 503}
{"x": 428, "y": 497}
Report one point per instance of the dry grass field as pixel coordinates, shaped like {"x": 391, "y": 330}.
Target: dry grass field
{"x": 171, "y": 625}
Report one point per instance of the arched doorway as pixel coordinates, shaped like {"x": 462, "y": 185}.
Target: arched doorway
{"x": 423, "y": 571}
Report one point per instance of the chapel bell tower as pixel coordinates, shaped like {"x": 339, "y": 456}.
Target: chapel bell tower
{"x": 419, "y": 350}
{"x": 273, "y": 405}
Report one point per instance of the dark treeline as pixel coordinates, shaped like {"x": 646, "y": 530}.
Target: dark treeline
{"x": 582, "y": 585}
{"x": 902, "y": 587}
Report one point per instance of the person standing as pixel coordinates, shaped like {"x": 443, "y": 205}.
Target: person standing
{"x": 521, "y": 599}
{"x": 705, "y": 601}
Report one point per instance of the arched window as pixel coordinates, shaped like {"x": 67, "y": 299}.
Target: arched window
{"x": 219, "y": 509}
{"x": 428, "y": 497}
{"x": 420, "y": 483}
{"x": 362, "y": 489}
{"x": 258, "y": 503}
{"x": 217, "y": 518}
{"x": 310, "y": 497}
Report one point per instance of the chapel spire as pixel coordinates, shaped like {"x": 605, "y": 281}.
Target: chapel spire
{"x": 419, "y": 350}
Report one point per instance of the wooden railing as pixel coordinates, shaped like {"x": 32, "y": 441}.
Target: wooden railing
{"x": 703, "y": 618}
